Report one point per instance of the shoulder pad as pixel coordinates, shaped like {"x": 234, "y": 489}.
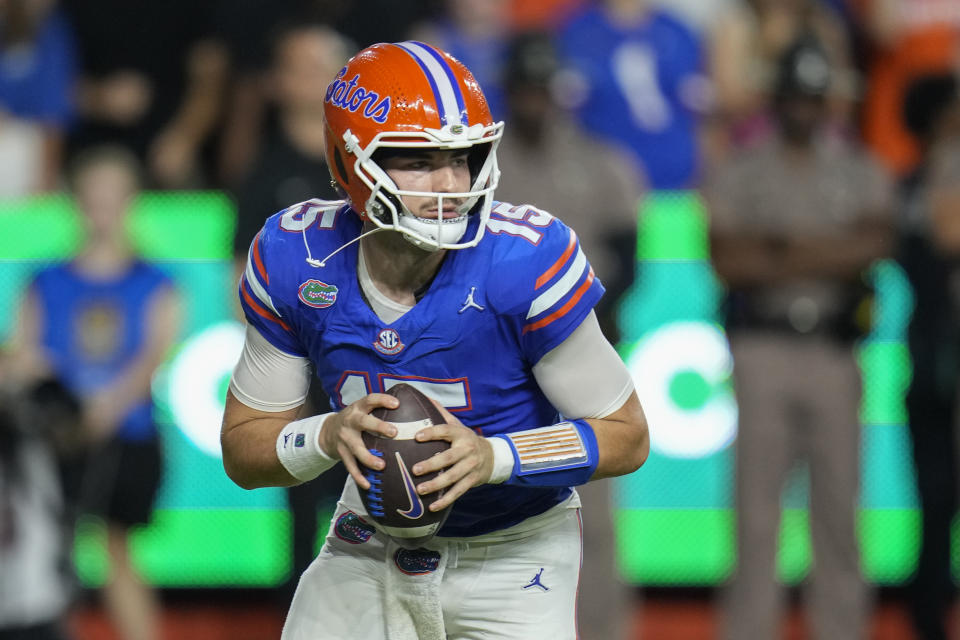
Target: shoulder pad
{"x": 277, "y": 259}
{"x": 543, "y": 280}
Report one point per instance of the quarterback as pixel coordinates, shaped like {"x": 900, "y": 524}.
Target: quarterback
{"x": 420, "y": 276}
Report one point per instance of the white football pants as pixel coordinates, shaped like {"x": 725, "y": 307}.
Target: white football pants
{"x": 519, "y": 583}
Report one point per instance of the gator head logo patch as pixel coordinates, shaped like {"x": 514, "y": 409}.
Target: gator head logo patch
{"x": 351, "y": 528}
{"x": 417, "y": 562}
{"x": 317, "y": 294}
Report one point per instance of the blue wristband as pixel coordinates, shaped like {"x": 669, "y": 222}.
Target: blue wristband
{"x": 561, "y": 455}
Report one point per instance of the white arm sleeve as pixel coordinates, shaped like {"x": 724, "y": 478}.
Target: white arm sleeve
{"x": 267, "y": 378}
{"x": 583, "y": 376}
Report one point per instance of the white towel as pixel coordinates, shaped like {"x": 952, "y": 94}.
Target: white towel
{"x": 412, "y": 584}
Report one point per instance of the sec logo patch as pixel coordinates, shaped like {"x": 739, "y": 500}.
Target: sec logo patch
{"x": 388, "y": 342}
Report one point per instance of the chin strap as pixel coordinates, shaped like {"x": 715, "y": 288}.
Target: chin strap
{"x": 313, "y": 262}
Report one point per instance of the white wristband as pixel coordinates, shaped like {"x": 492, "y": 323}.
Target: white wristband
{"x": 502, "y": 461}
{"x": 298, "y": 448}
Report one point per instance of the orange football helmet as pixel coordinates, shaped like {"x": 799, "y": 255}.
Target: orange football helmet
{"x": 410, "y": 95}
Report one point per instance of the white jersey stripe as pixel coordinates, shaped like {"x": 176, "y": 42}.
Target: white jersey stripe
{"x": 255, "y": 285}
{"x": 439, "y": 80}
{"x": 561, "y": 287}
{"x": 452, "y": 395}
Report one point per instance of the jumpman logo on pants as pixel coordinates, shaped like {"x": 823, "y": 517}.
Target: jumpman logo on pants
{"x": 536, "y": 581}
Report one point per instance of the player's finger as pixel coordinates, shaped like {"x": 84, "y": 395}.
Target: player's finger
{"x": 350, "y": 463}
{"x": 452, "y": 493}
{"x": 448, "y": 417}
{"x": 361, "y": 453}
{"x": 436, "y": 432}
{"x": 372, "y": 401}
{"x": 440, "y": 460}
{"x": 376, "y": 426}
{"x": 449, "y": 432}
{"x": 450, "y": 475}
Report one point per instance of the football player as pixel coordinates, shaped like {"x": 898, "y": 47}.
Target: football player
{"x": 419, "y": 276}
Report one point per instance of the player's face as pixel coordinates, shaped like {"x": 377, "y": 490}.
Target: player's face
{"x": 435, "y": 171}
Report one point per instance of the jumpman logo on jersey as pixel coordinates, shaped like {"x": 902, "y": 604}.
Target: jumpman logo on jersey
{"x": 536, "y": 581}
{"x": 469, "y": 302}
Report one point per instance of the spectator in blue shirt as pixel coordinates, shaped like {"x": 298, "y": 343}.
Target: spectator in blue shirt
{"x": 36, "y": 76}
{"x": 638, "y": 81}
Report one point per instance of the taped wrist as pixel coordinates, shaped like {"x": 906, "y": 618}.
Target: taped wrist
{"x": 298, "y": 448}
{"x": 561, "y": 455}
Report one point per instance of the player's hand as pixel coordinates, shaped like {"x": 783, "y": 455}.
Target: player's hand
{"x": 340, "y": 436}
{"x": 466, "y": 464}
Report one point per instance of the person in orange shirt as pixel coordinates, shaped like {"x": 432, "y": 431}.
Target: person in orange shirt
{"x": 910, "y": 38}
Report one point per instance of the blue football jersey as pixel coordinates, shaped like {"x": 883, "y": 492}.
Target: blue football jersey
{"x": 490, "y": 314}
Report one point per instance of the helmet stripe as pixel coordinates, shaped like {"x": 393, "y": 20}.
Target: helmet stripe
{"x": 461, "y": 106}
{"x": 442, "y": 81}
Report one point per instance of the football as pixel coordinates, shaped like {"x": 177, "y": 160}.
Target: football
{"x": 392, "y": 500}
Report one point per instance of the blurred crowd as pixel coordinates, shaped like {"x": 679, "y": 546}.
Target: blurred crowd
{"x": 204, "y": 92}
{"x": 822, "y": 134}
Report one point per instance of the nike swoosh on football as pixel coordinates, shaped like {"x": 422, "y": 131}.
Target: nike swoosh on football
{"x": 416, "y": 505}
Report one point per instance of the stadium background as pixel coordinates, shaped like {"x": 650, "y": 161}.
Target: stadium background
{"x": 674, "y": 517}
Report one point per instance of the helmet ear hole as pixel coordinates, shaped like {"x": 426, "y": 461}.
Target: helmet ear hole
{"x": 477, "y": 157}
{"x": 341, "y": 168}
{"x": 394, "y": 200}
